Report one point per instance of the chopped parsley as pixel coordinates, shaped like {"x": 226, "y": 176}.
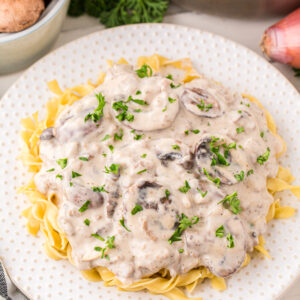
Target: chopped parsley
{"x": 167, "y": 193}
{"x": 165, "y": 108}
{"x": 97, "y": 236}
{"x": 137, "y": 110}
{"x": 87, "y": 222}
{"x": 240, "y": 130}
{"x": 184, "y": 223}
{"x": 121, "y": 107}
{"x": 239, "y": 111}
{"x": 262, "y": 134}
{"x": 119, "y": 137}
{"x": 85, "y": 206}
{"x": 144, "y": 71}
{"x": 173, "y": 86}
{"x": 71, "y": 183}
{"x": 114, "y": 168}
{"x": 98, "y": 249}
{"x": 83, "y": 158}
{"x": 111, "y": 148}
{"x": 196, "y": 131}
{"x": 171, "y": 100}
{"x": 170, "y": 77}
{"x": 138, "y": 92}
{"x": 137, "y": 136}
{"x": 98, "y": 112}
{"x": 202, "y": 106}
{"x": 122, "y": 222}
{"x": 75, "y": 174}
{"x": 232, "y": 202}
{"x": 184, "y": 189}
{"x": 218, "y": 158}
{"x": 59, "y": 176}
{"x": 110, "y": 242}
{"x": 137, "y": 101}
{"x": 181, "y": 250}
{"x": 250, "y": 172}
{"x": 186, "y": 132}
{"x": 62, "y": 162}
{"x": 100, "y": 189}
{"x": 175, "y": 147}
{"x": 142, "y": 171}
{"x": 220, "y": 232}
{"x": 240, "y": 177}
{"x": 203, "y": 194}
{"x": 107, "y": 136}
{"x": 136, "y": 209}
{"x": 216, "y": 180}
{"x": 50, "y": 170}
{"x": 264, "y": 157}
{"x": 144, "y": 155}
{"x": 230, "y": 240}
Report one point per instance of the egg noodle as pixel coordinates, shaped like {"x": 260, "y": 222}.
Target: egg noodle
{"x": 43, "y": 211}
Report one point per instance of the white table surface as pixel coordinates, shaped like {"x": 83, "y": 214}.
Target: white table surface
{"x": 245, "y": 32}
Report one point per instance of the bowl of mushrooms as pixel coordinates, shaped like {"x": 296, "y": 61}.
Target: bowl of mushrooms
{"x": 28, "y": 28}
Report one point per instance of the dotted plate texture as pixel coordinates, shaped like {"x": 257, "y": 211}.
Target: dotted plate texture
{"x": 235, "y": 66}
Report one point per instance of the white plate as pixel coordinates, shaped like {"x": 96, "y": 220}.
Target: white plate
{"x": 235, "y": 66}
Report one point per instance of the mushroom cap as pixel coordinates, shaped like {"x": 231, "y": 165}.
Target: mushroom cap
{"x": 16, "y": 15}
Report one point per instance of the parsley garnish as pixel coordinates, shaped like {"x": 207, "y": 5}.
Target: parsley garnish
{"x": 98, "y": 249}
{"x": 170, "y": 77}
{"x": 83, "y": 158}
{"x": 98, "y": 112}
{"x": 184, "y": 189}
{"x": 217, "y": 180}
{"x": 196, "y": 131}
{"x": 137, "y": 101}
{"x": 230, "y": 240}
{"x": 175, "y": 147}
{"x": 114, "y": 168}
{"x": 144, "y": 155}
{"x": 137, "y": 110}
{"x": 203, "y": 194}
{"x": 181, "y": 250}
{"x": 62, "y": 162}
{"x": 262, "y": 134}
{"x": 165, "y": 108}
{"x": 85, "y": 206}
{"x": 173, "y": 86}
{"x": 171, "y": 100}
{"x": 264, "y": 157}
{"x": 143, "y": 71}
{"x": 122, "y": 222}
{"x": 184, "y": 223}
{"x": 71, "y": 183}
{"x": 218, "y": 158}
{"x": 138, "y": 92}
{"x": 167, "y": 193}
{"x": 233, "y": 202}
{"x": 203, "y": 106}
{"x": 111, "y": 148}
{"x": 186, "y": 132}
{"x": 97, "y": 236}
{"x": 59, "y": 176}
{"x": 99, "y": 189}
{"x": 250, "y": 172}
{"x": 137, "y": 136}
{"x": 119, "y": 137}
{"x": 75, "y": 174}
{"x": 123, "y": 115}
{"x": 240, "y": 177}
{"x": 240, "y": 130}
{"x": 239, "y": 111}
{"x": 142, "y": 171}
{"x": 50, "y": 170}
{"x": 87, "y": 222}
{"x": 110, "y": 242}
{"x": 136, "y": 209}
{"x": 107, "y": 136}
{"x": 220, "y": 232}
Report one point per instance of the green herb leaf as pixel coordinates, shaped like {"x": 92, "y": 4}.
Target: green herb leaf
{"x": 75, "y": 174}
{"x": 216, "y": 180}
{"x": 166, "y": 107}
{"x": 110, "y": 242}
{"x": 173, "y": 86}
{"x": 71, "y": 183}
{"x": 240, "y": 130}
{"x": 138, "y": 92}
{"x": 62, "y": 162}
{"x": 264, "y": 157}
{"x": 230, "y": 240}
{"x": 262, "y": 134}
{"x": 175, "y": 147}
{"x": 98, "y": 249}
{"x": 202, "y": 106}
{"x": 100, "y": 189}
{"x": 144, "y": 155}
{"x": 107, "y": 136}
{"x": 123, "y": 115}
{"x": 196, "y": 131}
{"x": 203, "y": 194}
{"x": 167, "y": 193}
{"x": 142, "y": 171}
{"x": 170, "y": 77}
{"x": 50, "y": 170}
{"x": 119, "y": 137}
{"x": 181, "y": 250}
{"x": 220, "y": 232}
{"x": 87, "y": 222}
{"x": 171, "y": 100}
{"x": 184, "y": 189}
{"x": 98, "y": 112}
{"x": 232, "y": 202}
{"x": 83, "y": 158}
{"x": 97, "y": 236}
{"x": 114, "y": 168}
{"x": 111, "y": 148}
{"x": 59, "y": 176}
{"x": 137, "y": 101}
{"x": 144, "y": 71}
{"x": 85, "y": 206}
{"x": 240, "y": 177}
{"x": 136, "y": 209}
{"x": 186, "y": 132}
{"x": 122, "y": 222}
{"x": 250, "y": 172}
{"x": 184, "y": 223}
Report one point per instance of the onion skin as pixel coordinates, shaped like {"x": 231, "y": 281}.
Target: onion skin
{"x": 281, "y": 41}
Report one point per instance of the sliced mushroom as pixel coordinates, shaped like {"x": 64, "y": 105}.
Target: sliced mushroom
{"x": 112, "y": 203}
{"x": 144, "y": 195}
{"x": 204, "y": 157}
{"x": 47, "y": 134}
{"x": 78, "y": 195}
{"x": 201, "y": 103}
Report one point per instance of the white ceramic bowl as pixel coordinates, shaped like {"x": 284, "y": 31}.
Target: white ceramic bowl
{"x": 19, "y": 50}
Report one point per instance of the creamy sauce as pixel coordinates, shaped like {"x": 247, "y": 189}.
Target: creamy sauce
{"x": 161, "y": 149}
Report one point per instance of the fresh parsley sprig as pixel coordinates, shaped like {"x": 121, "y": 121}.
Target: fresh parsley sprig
{"x": 232, "y": 202}
{"x": 98, "y": 112}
